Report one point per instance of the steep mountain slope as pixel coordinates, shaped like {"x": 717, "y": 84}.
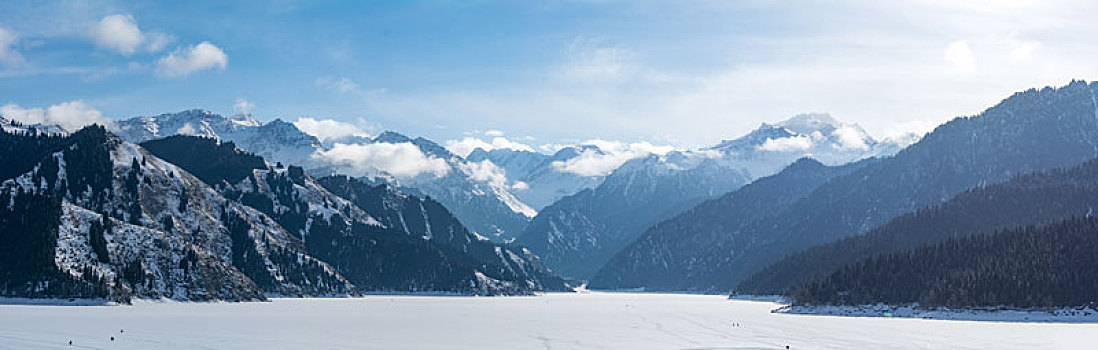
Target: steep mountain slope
{"x": 21, "y": 149}
{"x": 1037, "y": 199}
{"x": 1030, "y": 131}
{"x": 392, "y": 254}
{"x": 580, "y": 233}
{"x": 577, "y": 234}
{"x": 482, "y": 202}
{"x": 672, "y": 254}
{"x": 143, "y": 227}
{"x": 28, "y": 228}
{"x": 428, "y": 219}
{"x": 1048, "y": 267}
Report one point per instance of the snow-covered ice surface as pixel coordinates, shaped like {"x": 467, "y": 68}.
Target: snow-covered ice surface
{"x": 551, "y": 321}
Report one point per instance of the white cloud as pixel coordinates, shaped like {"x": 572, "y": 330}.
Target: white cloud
{"x": 121, "y": 33}
{"x": 467, "y": 145}
{"x": 485, "y": 171}
{"x": 908, "y": 132}
{"x": 1022, "y": 50}
{"x": 551, "y": 148}
{"x": 960, "y": 55}
{"x": 403, "y": 160}
{"x": 155, "y": 42}
{"x": 243, "y": 106}
{"x": 71, "y": 115}
{"x": 874, "y": 63}
{"x": 9, "y": 56}
{"x": 787, "y": 144}
{"x": 845, "y": 137}
{"x": 341, "y": 85}
{"x": 185, "y": 61}
{"x": 588, "y": 60}
{"x": 610, "y": 156}
{"x": 850, "y": 138}
{"x": 493, "y": 133}
{"x": 328, "y": 129}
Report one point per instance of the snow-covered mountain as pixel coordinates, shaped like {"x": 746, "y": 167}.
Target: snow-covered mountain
{"x": 579, "y": 233}
{"x": 14, "y": 126}
{"x": 516, "y": 163}
{"x": 771, "y": 147}
{"x": 367, "y": 234}
{"x": 715, "y": 248}
{"x": 428, "y": 219}
{"x": 99, "y": 217}
{"x": 671, "y": 251}
{"x": 131, "y": 224}
{"x": 277, "y": 140}
{"x": 475, "y": 192}
{"x": 536, "y": 178}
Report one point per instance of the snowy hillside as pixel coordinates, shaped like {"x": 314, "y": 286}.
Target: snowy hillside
{"x": 474, "y": 191}
{"x": 380, "y": 238}
{"x": 429, "y": 220}
{"x": 118, "y": 199}
{"x": 111, "y": 220}
{"x": 477, "y": 193}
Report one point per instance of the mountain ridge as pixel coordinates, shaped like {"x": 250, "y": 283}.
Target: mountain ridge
{"x": 580, "y": 233}
{"x": 1029, "y": 131}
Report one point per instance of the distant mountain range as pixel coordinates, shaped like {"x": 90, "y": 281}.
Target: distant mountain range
{"x": 1031, "y": 131}
{"x": 579, "y": 233}
{"x": 541, "y": 180}
{"x": 277, "y": 140}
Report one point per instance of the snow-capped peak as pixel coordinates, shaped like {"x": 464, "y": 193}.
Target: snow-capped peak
{"x": 817, "y": 134}
{"x": 391, "y": 137}
{"x": 245, "y": 120}
{"x": 808, "y": 123}
{"x": 12, "y": 125}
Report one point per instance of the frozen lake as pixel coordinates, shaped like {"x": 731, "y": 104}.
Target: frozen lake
{"x": 553, "y": 321}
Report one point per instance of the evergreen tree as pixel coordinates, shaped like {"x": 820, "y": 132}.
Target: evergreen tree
{"x": 1048, "y": 266}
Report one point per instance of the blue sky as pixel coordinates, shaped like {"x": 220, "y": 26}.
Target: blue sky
{"x": 681, "y": 73}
